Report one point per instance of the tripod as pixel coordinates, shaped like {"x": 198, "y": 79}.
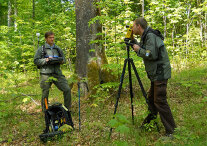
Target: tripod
{"x": 130, "y": 63}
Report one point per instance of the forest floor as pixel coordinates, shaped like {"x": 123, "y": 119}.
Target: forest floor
{"x": 21, "y": 119}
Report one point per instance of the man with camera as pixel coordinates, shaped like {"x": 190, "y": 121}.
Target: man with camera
{"x": 48, "y": 59}
{"x": 157, "y": 65}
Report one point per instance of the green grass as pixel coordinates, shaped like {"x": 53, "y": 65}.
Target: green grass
{"x": 21, "y": 121}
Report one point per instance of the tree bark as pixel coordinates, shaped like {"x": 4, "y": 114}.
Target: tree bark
{"x": 164, "y": 19}
{"x": 187, "y": 28}
{"x": 15, "y": 14}
{"x": 205, "y": 30}
{"x": 33, "y": 9}
{"x": 84, "y": 13}
{"x": 9, "y": 13}
{"x": 173, "y": 42}
{"x": 86, "y": 65}
{"x": 201, "y": 31}
{"x": 142, "y": 8}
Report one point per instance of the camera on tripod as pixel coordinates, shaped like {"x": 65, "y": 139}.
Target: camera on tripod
{"x": 129, "y": 36}
{"x": 129, "y": 41}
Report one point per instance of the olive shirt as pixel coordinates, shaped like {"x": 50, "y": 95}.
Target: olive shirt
{"x": 50, "y": 51}
{"x": 155, "y": 56}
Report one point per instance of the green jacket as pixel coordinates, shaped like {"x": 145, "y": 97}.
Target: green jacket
{"x": 40, "y": 59}
{"x": 155, "y": 56}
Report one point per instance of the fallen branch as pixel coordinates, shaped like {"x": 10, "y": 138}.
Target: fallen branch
{"x": 21, "y": 94}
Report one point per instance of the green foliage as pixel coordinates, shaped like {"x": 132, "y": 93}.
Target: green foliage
{"x": 182, "y": 133}
{"x": 51, "y": 79}
{"x": 120, "y": 143}
{"x": 187, "y": 89}
{"x": 19, "y": 41}
{"x": 180, "y": 40}
{"x": 119, "y": 123}
{"x": 23, "y": 122}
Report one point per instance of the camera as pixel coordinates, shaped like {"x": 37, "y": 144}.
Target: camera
{"x": 55, "y": 60}
{"x": 129, "y": 36}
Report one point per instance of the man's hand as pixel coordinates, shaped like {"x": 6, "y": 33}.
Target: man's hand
{"x": 47, "y": 59}
{"x": 136, "y": 47}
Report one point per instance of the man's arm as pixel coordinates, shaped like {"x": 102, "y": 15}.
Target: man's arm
{"x": 38, "y": 60}
{"x": 150, "y": 53}
{"x": 62, "y": 55}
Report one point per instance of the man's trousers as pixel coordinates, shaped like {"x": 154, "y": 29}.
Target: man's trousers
{"x": 60, "y": 82}
{"x": 158, "y": 104}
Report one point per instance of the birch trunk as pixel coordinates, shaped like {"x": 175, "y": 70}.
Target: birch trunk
{"x": 164, "y": 20}
{"x": 187, "y": 29}
{"x": 142, "y": 8}
{"x": 173, "y": 42}
{"x": 9, "y": 13}
{"x": 15, "y": 14}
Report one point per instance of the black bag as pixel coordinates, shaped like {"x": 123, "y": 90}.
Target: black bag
{"x": 55, "y": 116}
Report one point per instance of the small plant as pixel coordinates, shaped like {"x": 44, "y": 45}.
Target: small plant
{"x": 120, "y": 124}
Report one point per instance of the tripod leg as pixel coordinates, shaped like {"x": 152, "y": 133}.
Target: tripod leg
{"x": 120, "y": 85}
{"x": 119, "y": 91}
{"x": 139, "y": 80}
{"x": 130, "y": 87}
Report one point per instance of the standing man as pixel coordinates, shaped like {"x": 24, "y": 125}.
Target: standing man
{"x": 48, "y": 59}
{"x": 157, "y": 66}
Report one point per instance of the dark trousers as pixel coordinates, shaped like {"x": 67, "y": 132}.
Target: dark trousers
{"x": 158, "y": 104}
{"x": 61, "y": 83}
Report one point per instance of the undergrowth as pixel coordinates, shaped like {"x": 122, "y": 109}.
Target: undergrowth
{"x": 21, "y": 119}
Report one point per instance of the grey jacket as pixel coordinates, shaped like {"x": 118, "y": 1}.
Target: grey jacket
{"x": 40, "y": 59}
{"x": 155, "y": 56}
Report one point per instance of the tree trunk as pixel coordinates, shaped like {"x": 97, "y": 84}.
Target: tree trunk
{"x": 142, "y": 8}
{"x": 9, "y": 13}
{"x": 33, "y": 17}
{"x": 15, "y": 14}
{"x": 200, "y": 22}
{"x": 187, "y": 28}
{"x": 33, "y": 9}
{"x": 201, "y": 31}
{"x": 205, "y": 30}
{"x": 86, "y": 65}
{"x": 173, "y": 42}
{"x": 164, "y": 19}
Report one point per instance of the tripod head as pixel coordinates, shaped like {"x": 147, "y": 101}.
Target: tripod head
{"x": 127, "y": 41}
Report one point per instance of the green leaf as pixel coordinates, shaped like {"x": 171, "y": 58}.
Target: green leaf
{"x": 120, "y": 143}
{"x": 113, "y": 123}
{"x": 122, "y": 129}
{"x": 25, "y": 100}
{"x": 122, "y": 118}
